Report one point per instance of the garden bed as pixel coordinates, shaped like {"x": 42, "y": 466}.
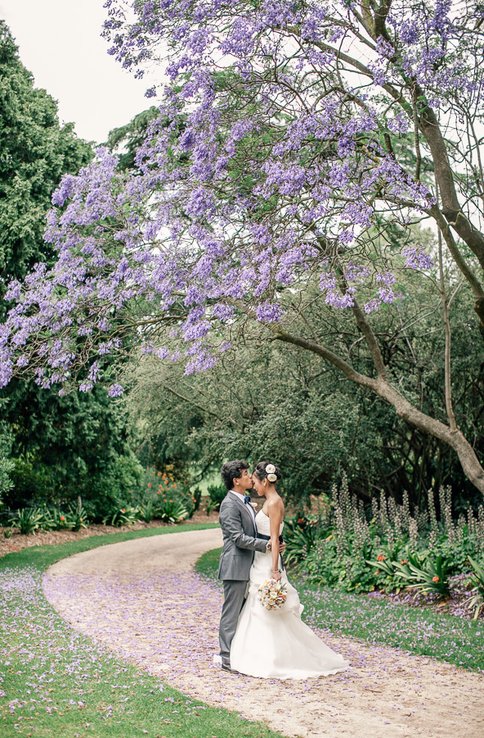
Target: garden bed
{"x": 17, "y": 541}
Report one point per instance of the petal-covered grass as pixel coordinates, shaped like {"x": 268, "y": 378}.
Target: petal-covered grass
{"x": 419, "y": 630}
{"x": 55, "y": 682}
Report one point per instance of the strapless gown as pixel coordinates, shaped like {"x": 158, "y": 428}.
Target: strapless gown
{"x": 276, "y": 643}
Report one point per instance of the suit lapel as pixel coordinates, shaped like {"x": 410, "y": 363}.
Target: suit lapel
{"x": 244, "y": 508}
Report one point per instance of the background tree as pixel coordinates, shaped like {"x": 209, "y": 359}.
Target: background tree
{"x": 266, "y": 399}
{"x": 259, "y": 180}
{"x": 53, "y": 448}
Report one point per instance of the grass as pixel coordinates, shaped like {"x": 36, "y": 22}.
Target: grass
{"x": 56, "y": 683}
{"x": 418, "y": 630}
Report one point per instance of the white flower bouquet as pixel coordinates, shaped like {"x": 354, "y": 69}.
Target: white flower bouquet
{"x": 272, "y": 594}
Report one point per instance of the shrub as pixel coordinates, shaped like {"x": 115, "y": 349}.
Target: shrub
{"x": 197, "y": 498}
{"x": 301, "y": 533}
{"x": 160, "y": 491}
{"x": 122, "y": 514}
{"x": 216, "y": 493}
{"x": 6, "y": 463}
{"x": 387, "y": 547}
{"x": 172, "y": 511}
{"x": 476, "y": 600}
{"x": 27, "y": 519}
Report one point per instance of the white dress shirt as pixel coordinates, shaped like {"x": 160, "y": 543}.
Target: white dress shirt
{"x": 249, "y": 506}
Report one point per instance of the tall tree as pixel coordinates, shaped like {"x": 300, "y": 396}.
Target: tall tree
{"x": 62, "y": 446}
{"x": 279, "y": 156}
{"x": 35, "y": 152}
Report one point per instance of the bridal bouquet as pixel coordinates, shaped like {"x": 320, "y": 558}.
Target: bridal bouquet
{"x": 272, "y": 594}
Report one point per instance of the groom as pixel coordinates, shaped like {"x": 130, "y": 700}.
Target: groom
{"x": 237, "y": 520}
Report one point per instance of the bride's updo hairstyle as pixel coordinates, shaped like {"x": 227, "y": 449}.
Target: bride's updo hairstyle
{"x": 268, "y": 470}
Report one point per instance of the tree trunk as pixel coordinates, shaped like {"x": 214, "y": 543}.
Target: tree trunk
{"x": 444, "y": 176}
{"x": 453, "y": 438}
{"x": 404, "y": 409}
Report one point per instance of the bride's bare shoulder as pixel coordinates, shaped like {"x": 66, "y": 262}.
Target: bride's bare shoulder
{"x": 275, "y": 505}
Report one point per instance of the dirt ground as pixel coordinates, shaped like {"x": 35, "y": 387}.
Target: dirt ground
{"x": 143, "y": 601}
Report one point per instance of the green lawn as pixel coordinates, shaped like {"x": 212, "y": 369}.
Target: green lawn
{"x": 56, "y": 683}
{"x": 418, "y": 630}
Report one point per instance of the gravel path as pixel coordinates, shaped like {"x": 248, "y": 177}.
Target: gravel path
{"x": 143, "y": 600}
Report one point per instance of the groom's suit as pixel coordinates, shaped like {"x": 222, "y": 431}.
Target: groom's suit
{"x": 239, "y": 533}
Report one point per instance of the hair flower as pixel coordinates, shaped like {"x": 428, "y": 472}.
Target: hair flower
{"x": 270, "y": 471}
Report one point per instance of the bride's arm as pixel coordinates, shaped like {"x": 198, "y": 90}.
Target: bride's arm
{"x": 276, "y": 515}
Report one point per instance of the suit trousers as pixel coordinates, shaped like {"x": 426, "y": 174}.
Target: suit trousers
{"x": 234, "y": 598}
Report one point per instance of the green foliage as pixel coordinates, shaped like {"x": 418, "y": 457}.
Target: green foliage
{"x": 162, "y": 496}
{"x": 301, "y": 534}
{"x": 6, "y": 463}
{"x": 121, "y": 515}
{"x": 74, "y": 517}
{"x": 30, "y": 519}
{"x": 27, "y": 519}
{"x": 113, "y": 486}
{"x": 420, "y": 571}
{"x": 476, "y": 600}
{"x": 35, "y": 152}
{"x": 60, "y": 447}
{"x": 126, "y": 140}
{"x": 216, "y": 493}
{"x": 197, "y": 498}
{"x": 172, "y": 511}
{"x": 294, "y": 408}
{"x": 386, "y": 548}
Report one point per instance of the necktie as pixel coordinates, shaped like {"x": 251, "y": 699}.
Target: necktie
{"x": 247, "y": 499}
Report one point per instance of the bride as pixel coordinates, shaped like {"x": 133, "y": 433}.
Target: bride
{"x": 276, "y": 643}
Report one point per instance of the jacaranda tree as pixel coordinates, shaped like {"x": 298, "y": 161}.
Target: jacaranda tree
{"x": 293, "y": 139}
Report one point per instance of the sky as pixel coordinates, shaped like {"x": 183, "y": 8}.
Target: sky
{"x": 59, "y": 42}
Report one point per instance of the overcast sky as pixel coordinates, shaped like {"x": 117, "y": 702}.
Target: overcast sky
{"x": 59, "y": 42}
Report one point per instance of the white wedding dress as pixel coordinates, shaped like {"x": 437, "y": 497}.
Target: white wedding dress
{"x": 276, "y": 643}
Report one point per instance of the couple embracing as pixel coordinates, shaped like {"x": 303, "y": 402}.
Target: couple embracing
{"x": 254, "y": 640}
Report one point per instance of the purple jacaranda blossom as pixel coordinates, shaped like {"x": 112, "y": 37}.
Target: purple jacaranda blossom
{"x": 268, "y": 312}
{"x": 415, "y": 258}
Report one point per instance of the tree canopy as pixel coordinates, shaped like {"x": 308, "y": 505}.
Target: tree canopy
{"x": 293, "y": 141}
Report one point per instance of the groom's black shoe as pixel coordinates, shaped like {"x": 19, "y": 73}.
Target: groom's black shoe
{"x": 226, "y": 667}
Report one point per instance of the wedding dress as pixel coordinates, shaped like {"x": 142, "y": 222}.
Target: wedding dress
{"x": 276, "y": 643}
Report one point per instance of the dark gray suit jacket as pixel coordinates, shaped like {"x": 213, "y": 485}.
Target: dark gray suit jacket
{"x": 240, "y": 543}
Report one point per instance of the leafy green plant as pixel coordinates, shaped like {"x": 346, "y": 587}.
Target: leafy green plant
{"x": 159, "y": 487}
{"x": 476, "y": 600}
{"x": 197, "y": 498}
{"x": 386, "y": 566}
{"x": 147, "y": 510}
{"x": 426, "y": 572}
{"x": 27, "y": 519}
{"x": 77, "y": 516}
{"x": 125, "y": 515}
{"x": 171, "y": 511}
{"x": 323, "y": 564}
{"x": 300, "y": 535}
{"x": 216, "y": 493}
{"x": 53, "y": 518}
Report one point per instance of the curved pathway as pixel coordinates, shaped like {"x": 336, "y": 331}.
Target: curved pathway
{"x": 142, "y": 599}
